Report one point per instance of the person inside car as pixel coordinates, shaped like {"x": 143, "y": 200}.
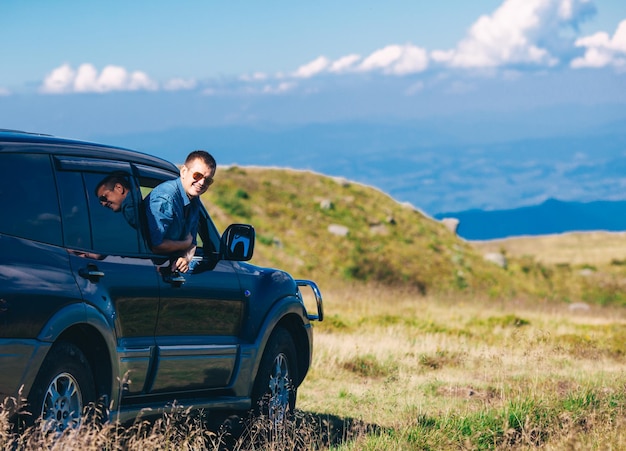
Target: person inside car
{"x": 173, "y": 208}
{"x": 112, "y": 192}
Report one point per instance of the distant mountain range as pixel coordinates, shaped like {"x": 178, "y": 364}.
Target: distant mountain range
{"x": 550, "y": 217}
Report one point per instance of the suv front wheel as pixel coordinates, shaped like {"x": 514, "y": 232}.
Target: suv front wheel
{"x": 62, "y": 389}
{"x": 274, "y": 393}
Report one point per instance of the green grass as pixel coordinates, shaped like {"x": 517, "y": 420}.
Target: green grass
{"x": 466, "y": 373}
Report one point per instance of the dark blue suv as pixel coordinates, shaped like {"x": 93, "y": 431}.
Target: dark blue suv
{"x": 88, "y": 313}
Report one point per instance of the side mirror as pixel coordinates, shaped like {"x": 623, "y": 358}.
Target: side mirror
{"x": 238, "y": 242}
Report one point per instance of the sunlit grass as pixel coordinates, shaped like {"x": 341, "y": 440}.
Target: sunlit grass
{"x": 574, "y": 248}
{"x": 468, "y": 373}
{"x": 393, "y": 369}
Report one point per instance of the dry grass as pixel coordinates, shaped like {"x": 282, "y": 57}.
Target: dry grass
{"x": 576, "y": 248}
{"x": 388, "y": 361}
{"x": 180, "y": 429}
{"x": 393, "y": 369}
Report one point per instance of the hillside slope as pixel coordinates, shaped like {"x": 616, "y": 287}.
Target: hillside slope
{"x": 337, "y": 231}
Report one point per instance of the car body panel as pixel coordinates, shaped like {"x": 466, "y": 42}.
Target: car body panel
{"x": 127, "y": 295}
{"x": 35, "y": 282}
{"x": 199, "y": 324}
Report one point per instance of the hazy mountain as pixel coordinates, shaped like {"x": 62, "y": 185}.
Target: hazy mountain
{"x": 552, "y": 216}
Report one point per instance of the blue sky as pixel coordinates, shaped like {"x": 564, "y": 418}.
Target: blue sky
{"x": 197, "y": 63}
{"x": 157, "y": 44}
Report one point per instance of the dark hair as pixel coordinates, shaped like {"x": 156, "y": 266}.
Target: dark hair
{"x": 113, "y": 179}
{"x": 203, "y": 155}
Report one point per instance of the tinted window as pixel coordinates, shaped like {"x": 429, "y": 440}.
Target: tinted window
{"x": 28, "y": 198}
{"x": 113, "y": 231}
{"x": 76, "y": 233}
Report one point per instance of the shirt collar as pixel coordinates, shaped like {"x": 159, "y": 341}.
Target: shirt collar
{"x": 183, "y": 194}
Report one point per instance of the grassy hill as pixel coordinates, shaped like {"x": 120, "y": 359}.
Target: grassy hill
{"x": 380, "y": 241}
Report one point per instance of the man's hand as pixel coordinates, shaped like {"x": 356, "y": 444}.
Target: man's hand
{"x": 181, "y": 265}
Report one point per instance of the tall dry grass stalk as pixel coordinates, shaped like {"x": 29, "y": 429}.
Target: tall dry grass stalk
{"x": 180, "y": 429}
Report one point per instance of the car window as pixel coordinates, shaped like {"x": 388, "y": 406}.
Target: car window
{"x": 74, "y": 210}
{"x": 28, "y": 198}
{"x": 114, "y": 224}
{"x": 99, "y": 202}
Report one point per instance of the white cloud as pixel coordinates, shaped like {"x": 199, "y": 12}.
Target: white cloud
{"x": 322, "y": 64}
{"x": 344, "y": 64}
{"x": 84, "y": 81}
{"x": 397, "y": 60}
{"x": 281, "y": 88}
{"x": 519, "y": 32}
{"x": 315, "y": 67}
{"x": 381, "y": 58}
{"x": 59, "y": 80}
{"x": 602, "y": 50}
{"x": 412, "y": 60}
{"x": 179, "y": 84}
{"x": 137, "y": 81}
{"x": 65, "y": 79}
{"x": 393, "y": 59}
{"x": 4, "y": 92}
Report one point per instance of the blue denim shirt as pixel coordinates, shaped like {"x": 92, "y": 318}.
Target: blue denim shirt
{"x": 128, "y": 210}
{"x": 165, "y": 211}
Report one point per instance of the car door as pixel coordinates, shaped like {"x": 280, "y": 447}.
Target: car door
{"x": 113, "y": 273}
{"x": 200, "y": 314}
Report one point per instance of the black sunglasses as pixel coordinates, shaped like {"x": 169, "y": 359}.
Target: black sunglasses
{"x": 197, "y": 176}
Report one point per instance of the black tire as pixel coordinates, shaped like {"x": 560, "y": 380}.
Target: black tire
{"x": 63, "y": 388}
{"x": 274, "y": 392}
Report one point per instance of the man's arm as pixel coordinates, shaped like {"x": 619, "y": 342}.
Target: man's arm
{"x": 172, "y": 246}
{"x": 159, "y": 209}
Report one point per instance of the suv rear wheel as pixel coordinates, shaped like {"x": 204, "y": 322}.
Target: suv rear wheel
{"x": 62, "y": 389}
{"x": 274, "y": 393}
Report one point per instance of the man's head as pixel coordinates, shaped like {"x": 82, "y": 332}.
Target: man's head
{"x": 197, "y": 173}
{"x": 112, "y": 191}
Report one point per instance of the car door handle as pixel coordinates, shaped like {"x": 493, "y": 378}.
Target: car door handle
{"x": 175, "y": 278}
{"x": 91, "y": 272}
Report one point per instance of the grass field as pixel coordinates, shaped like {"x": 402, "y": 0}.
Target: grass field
{"x": 394, "y": 370}
{"x": 428, "y": 373}
{"x": 576, "y": 248}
